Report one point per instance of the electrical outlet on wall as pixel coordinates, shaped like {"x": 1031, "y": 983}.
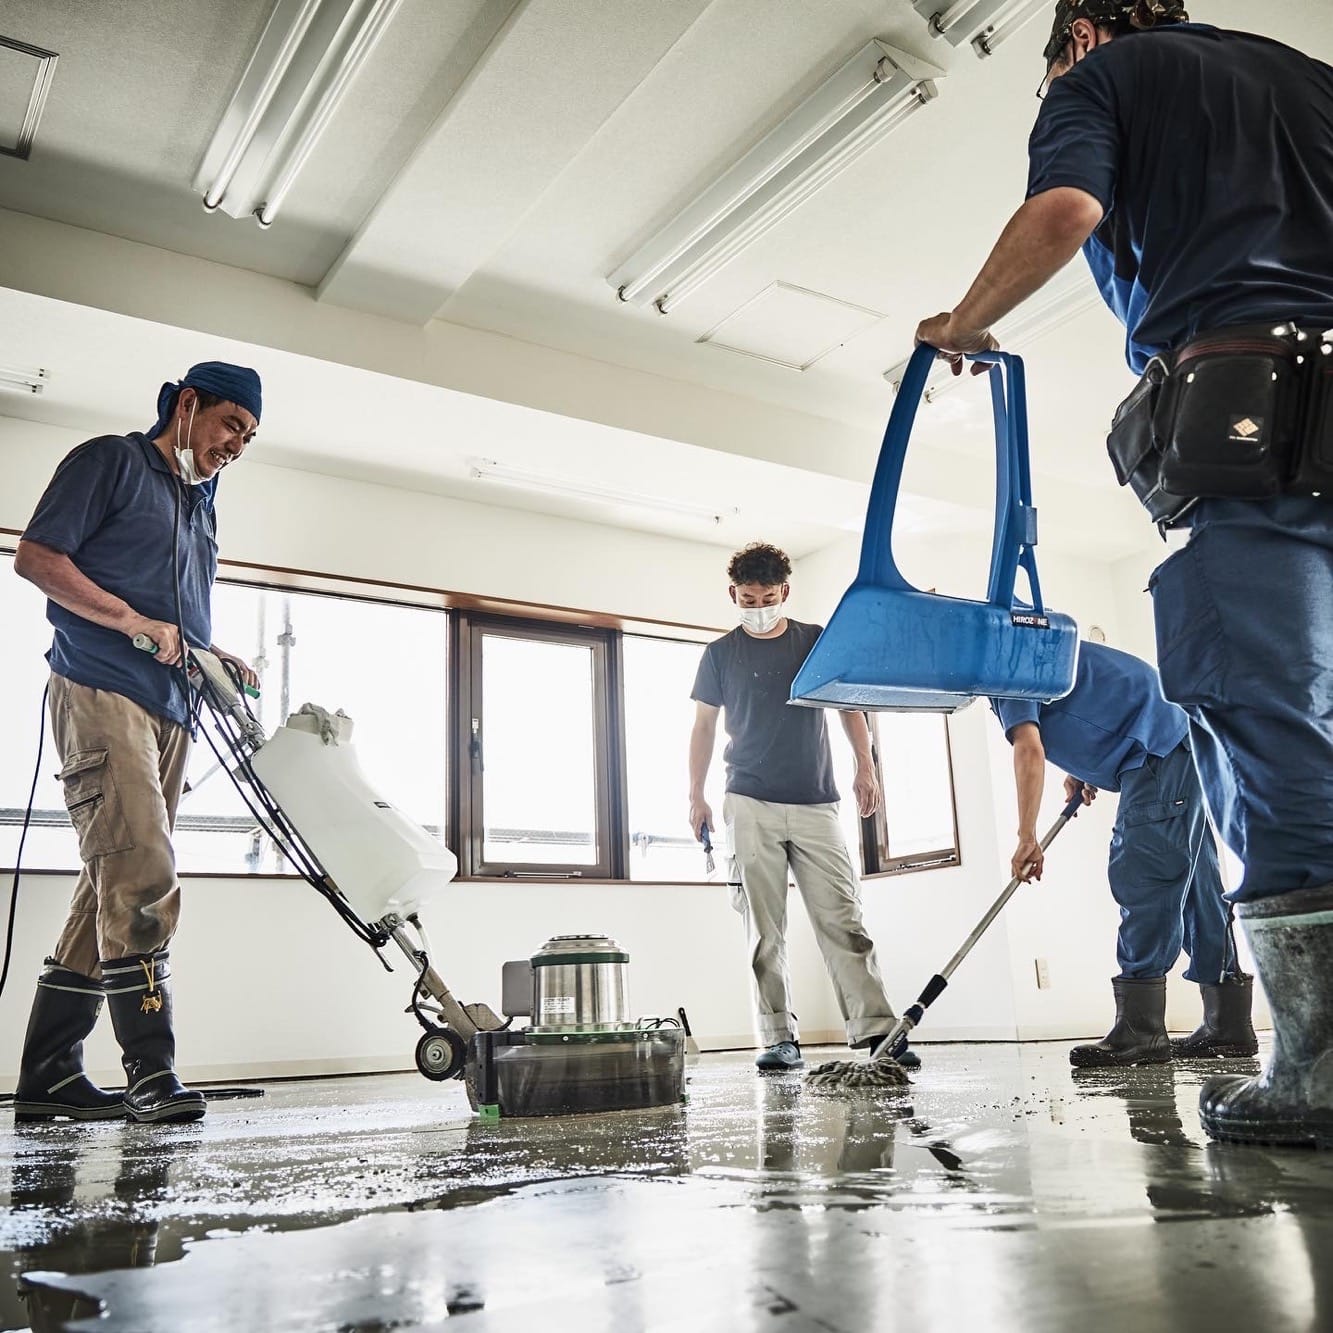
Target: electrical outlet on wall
{"x": 1043, "y": 974}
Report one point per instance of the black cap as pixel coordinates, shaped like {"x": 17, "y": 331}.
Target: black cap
{"x": 1127, "y": 14}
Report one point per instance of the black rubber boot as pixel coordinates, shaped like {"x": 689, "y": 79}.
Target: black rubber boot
{"x": 52, "y": 1084}
{"x": 1291, "y": 1102}
{"x": 1139, "y": 1035}
{"x": 1226, "y": 1030}
{"x": 140, "y": 998}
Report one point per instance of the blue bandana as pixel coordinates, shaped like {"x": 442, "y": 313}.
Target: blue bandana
{"x": 236, "y": 384}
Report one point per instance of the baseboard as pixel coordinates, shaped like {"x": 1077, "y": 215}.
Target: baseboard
{"x": 747, "y": 1041}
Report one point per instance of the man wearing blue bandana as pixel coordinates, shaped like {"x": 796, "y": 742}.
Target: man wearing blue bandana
{"x": 1193, "y": 166}
{"x": 123, "y": 543}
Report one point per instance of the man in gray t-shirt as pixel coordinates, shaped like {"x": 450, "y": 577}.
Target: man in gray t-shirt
{"x": 781, "y": 809}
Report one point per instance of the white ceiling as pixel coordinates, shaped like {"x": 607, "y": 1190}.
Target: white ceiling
{"x": 495, "y": 161}
{"x": 348, "y": 422}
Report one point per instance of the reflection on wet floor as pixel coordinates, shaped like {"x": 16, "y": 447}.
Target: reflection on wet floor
{"x": 1001, "y": 1191}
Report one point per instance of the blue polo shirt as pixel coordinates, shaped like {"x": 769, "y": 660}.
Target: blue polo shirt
{"x": 1108, "y": 724}
{"x": 1212, "y": 154}
{"x": 111, "y": 507}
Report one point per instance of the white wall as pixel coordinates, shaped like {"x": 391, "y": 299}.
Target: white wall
{"x": 269, "y": 980}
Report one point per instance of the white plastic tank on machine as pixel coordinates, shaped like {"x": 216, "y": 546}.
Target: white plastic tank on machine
{"x": 383, "y": 862}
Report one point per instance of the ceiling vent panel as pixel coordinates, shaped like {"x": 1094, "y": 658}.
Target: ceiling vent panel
{"x": 25, "y": 79}
{"x": 791, "y": 326}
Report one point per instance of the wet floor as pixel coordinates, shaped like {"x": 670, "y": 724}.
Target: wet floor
{"x": 1001, "y": 1192}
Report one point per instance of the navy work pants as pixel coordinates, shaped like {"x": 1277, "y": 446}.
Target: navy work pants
{"x": 1165, "y": 876}
{"x": 1245, "y": 645}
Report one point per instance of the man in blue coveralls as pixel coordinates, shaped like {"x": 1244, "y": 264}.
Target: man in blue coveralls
{"x": 1194, "y": 168}
{"x": 1114, "y": 732}
{"x": 123, "y": 543}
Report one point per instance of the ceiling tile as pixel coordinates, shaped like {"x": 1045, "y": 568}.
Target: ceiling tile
{"x": 790, "y": 326}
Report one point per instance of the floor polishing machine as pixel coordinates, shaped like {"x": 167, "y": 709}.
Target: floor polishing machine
{"x": 377, "y": 869}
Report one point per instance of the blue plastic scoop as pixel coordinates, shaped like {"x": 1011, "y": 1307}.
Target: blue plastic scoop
{"x": 890, "y": 646}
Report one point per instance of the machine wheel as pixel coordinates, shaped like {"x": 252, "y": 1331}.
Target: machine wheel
{"x": 441, "y": 1053}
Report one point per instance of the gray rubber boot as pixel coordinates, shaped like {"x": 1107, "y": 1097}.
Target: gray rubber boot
{"x": 1226, "y": 1030}
{"x": 1291, "y": 1102}
{"x": 139, "y": 996}
{"x": 1139, "y": 1036}
{"x": 52, "y": 1084}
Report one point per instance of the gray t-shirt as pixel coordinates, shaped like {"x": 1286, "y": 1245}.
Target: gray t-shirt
{"x": 775, "y": 752}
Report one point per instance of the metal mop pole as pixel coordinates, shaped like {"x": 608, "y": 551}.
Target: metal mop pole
{"x": 848, "y": 1073}
{"x": 897, "y": 1040}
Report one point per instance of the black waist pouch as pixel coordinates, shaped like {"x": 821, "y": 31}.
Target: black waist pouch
{"x": 1136, "y": 447}
{"x": 1230, "y": 416}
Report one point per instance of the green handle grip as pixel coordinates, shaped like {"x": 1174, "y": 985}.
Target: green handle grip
{"x": 145, "y": 645}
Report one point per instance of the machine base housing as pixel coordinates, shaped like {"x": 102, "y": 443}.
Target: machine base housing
{"x": 526, "y": 1073}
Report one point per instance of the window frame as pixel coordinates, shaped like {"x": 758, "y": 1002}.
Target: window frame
{"x": 466, "y": 725}
{"x": 877, "y": 859}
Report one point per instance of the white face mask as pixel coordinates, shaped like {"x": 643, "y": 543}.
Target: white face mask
{"x": 185, "y": 456}
{"x": 760, "y": 619}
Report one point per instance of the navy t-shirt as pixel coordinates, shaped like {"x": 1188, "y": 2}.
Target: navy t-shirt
{"x": 1212, "y": 154}
{"x": 775, "y": 751}
{"x": 1108, "y": 724}
{"x": 111, "y": 507}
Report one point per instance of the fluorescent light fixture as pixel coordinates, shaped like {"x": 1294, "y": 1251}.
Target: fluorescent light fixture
{"x": 23, "y": 381}
{"x": 487, "y": 469}
{"x": 986, "y": 24}
{"x": 41, "y": 86}
{"x": 868, "y": 97}
{"x": 1003, "y": 27}
{"x": 308, "y": 56}
{"x": 1033, "y": 320}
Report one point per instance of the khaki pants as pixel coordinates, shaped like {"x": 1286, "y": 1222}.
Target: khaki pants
{"x": 766, "y": 838}
{"x": 123, "y": 770}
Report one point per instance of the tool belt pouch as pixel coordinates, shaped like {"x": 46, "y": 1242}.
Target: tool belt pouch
{"x": 1135, "y": 446}
{"x": 1314, "y": 468}
{"x": 1230, "y": 417}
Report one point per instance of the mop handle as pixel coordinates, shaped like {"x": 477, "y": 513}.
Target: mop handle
{"x": 1069, "y": 812}
{"x": 896, "y": 1042}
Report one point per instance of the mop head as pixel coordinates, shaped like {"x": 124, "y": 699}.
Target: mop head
{"x": 860, "y": 1075}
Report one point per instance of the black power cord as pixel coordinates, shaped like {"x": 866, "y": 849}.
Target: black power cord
{"x": 23, "y": 837}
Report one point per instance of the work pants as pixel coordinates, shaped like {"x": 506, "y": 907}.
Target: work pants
{"x": 1245, "y": 645}
{"x": 766, "y": 839}
{"x": 1165, "y": 876}
{"x": 123, "y": 771}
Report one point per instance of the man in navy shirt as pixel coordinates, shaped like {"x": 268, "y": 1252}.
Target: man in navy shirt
{"x": 1114, "y": 732}
{"x": 123, "y": 544}
{"x": 1194, "y": 167}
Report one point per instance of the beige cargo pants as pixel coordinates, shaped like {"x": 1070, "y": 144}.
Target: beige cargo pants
{"x": 766, "y": 838}
{"x": 123, "y": 769}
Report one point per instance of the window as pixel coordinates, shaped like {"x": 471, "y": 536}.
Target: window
{"x": 916, "y": 826}
{"x": 382, "y": 664}
{"x": 659, "y": 713}
{"x": 541, "y": 749}
{"x": 23, "y": 676}
{"x": 534, "y": 751}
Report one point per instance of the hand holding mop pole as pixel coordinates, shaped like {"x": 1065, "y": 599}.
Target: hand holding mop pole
{"x": 884, "y": 1070}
